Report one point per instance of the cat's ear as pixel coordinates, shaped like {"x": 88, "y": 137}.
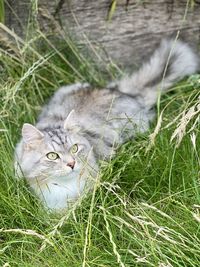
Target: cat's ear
{"x": 71, "y": 123}
{"x": 31, "y": 134}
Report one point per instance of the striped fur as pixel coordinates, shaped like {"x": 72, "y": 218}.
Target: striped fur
{"x": 101, "y": 120}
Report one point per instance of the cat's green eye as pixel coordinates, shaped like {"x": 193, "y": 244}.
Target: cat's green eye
{"x": 52, "y": 156}
{"x": 74, "y": 149}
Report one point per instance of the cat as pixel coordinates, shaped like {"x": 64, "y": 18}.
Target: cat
{"x": 82, "y": 125}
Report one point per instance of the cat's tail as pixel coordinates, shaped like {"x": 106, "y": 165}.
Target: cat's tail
{"x": 170, "y": 62}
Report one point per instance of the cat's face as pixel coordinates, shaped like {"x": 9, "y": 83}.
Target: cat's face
{"x": 51, "y": 154}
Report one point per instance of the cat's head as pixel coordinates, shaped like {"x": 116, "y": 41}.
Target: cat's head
{"x": 49, "y": 153}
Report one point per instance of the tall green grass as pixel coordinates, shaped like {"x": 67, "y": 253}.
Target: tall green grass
{"x": 145, "y": 207}
{"x": 2, "y": 11}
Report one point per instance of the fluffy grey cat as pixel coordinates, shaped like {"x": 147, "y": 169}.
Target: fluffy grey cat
{"x": 81, "y": 125}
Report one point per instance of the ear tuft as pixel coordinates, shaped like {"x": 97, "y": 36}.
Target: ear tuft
{"x": 31, "y": 134}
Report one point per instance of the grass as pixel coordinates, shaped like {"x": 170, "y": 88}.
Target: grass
{"x": 2, "y": 11}
{"x": 145, "y": 209}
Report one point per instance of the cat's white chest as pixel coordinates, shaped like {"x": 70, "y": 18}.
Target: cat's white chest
{"x": 58, "y": 192}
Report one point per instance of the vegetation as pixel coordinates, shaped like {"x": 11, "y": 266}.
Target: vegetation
{"x": 2, "y": 15}
{"x": 145, "y": 207}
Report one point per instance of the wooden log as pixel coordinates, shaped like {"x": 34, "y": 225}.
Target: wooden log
{"x": 128, "y": 37}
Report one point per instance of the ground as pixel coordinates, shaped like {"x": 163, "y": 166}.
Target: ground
{"x": 144, "y": 211}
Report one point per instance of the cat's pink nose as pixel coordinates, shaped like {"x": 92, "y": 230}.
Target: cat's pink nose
{"x": 71, "y": 164}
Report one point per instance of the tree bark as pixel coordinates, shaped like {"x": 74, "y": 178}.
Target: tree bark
{"x": 128, "y": 37}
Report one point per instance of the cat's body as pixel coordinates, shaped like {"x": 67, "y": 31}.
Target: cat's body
{"x": 81, "y": 125}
